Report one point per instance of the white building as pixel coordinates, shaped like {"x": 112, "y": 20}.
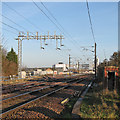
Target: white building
{"x": 23, "y": 74}
{"x": 85, "y": 66}
{"x": 61, "y": 65}
{"x": 49, "y": 71}
{"x": 37, "y": 72}
{"x": 43, "y": 73}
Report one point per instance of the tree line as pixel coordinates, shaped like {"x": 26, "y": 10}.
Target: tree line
{"x": 9, "y": 62}
{"x": 114, "y": 60}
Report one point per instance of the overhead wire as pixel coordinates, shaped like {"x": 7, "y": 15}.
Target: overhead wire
{"x": 9, "y": 31}
{"x": 92, "y": 26}
{"x": 56, "y": 20}
{"x": 51, "y": 14}
{"x": 4, "y": 42}
{"x": 9, "y": 26}
{"x": 15, "y": 29}
{"x": 69, "y": 35}
{"x": 13, "y": 22}
{"x": 53, "y": 21}
{"x": 47, "y": 16}
{"x": 16, "y": 23}
{"x": 90, "y": 21}
{"x": 19, "y": 15}
{"x": 22, "y": 16}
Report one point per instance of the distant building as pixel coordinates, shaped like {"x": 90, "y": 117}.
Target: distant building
{"x": 43, "y": 73}
{"x": 23, "y": 74}
{"x": 37, "y": 72}
{"x": 85, "y": 66}
{"x": 49, "y": 71}
{"x": 61, "y": 66}
{"x": 59, "y": 70}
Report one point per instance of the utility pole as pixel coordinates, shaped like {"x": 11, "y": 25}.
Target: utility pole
{"x": 78, "y": 66}
{"x": 69, "y": 63}
{"x": 95, "y": 61}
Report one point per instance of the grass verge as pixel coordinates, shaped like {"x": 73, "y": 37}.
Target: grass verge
{"x": 99, "y": 104}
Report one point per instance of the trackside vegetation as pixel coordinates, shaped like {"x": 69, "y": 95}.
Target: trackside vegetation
{"x": 99, "y": 104}
{"x": 9, "y": 62}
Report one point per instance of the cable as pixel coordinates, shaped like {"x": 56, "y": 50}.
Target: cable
{"x": 90, "y": 21}
{"x": 51, "y": 15}
{"x": 52, "y": 21}
{"x": 10, "y": 26}
{"x": 9, "y": 31}
{"x": 16, "y": 23}
{"x": 24, "y": 18}
{"x": 13, "y": 22}
{"x": 21, "y": 16}
{"x": 5, "y": 42}
{"x": 45, "y": 15}
{"x": 57, "y": 21}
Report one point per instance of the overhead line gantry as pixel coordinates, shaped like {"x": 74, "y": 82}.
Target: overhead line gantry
{"x": 22, "y": 36}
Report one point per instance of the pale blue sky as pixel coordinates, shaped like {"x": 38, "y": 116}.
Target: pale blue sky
{"x": 74, "y": 18}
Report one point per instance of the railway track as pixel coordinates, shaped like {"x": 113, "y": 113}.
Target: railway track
{"x": 15, "y": 88}
{"x": 27, "y": 88}
{"x": 29, "y": 97}
{"x": 21, "y": 91}
{"x": 30, "y": 92}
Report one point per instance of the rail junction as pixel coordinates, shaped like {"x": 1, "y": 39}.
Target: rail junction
{"x": 43, "y": 99}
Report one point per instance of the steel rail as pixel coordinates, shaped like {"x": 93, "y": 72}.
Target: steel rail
{"x": 13, "y": 91}
{"x": 25, "y": 93}
{"x": 33, "y": 100}
{"x": 40, "y": 96}
{"x": 37, "y": 90}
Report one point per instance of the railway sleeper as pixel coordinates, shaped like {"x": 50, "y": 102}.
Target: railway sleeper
{"x": 52, "y": 86}
{"x": 34, "y": 92}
